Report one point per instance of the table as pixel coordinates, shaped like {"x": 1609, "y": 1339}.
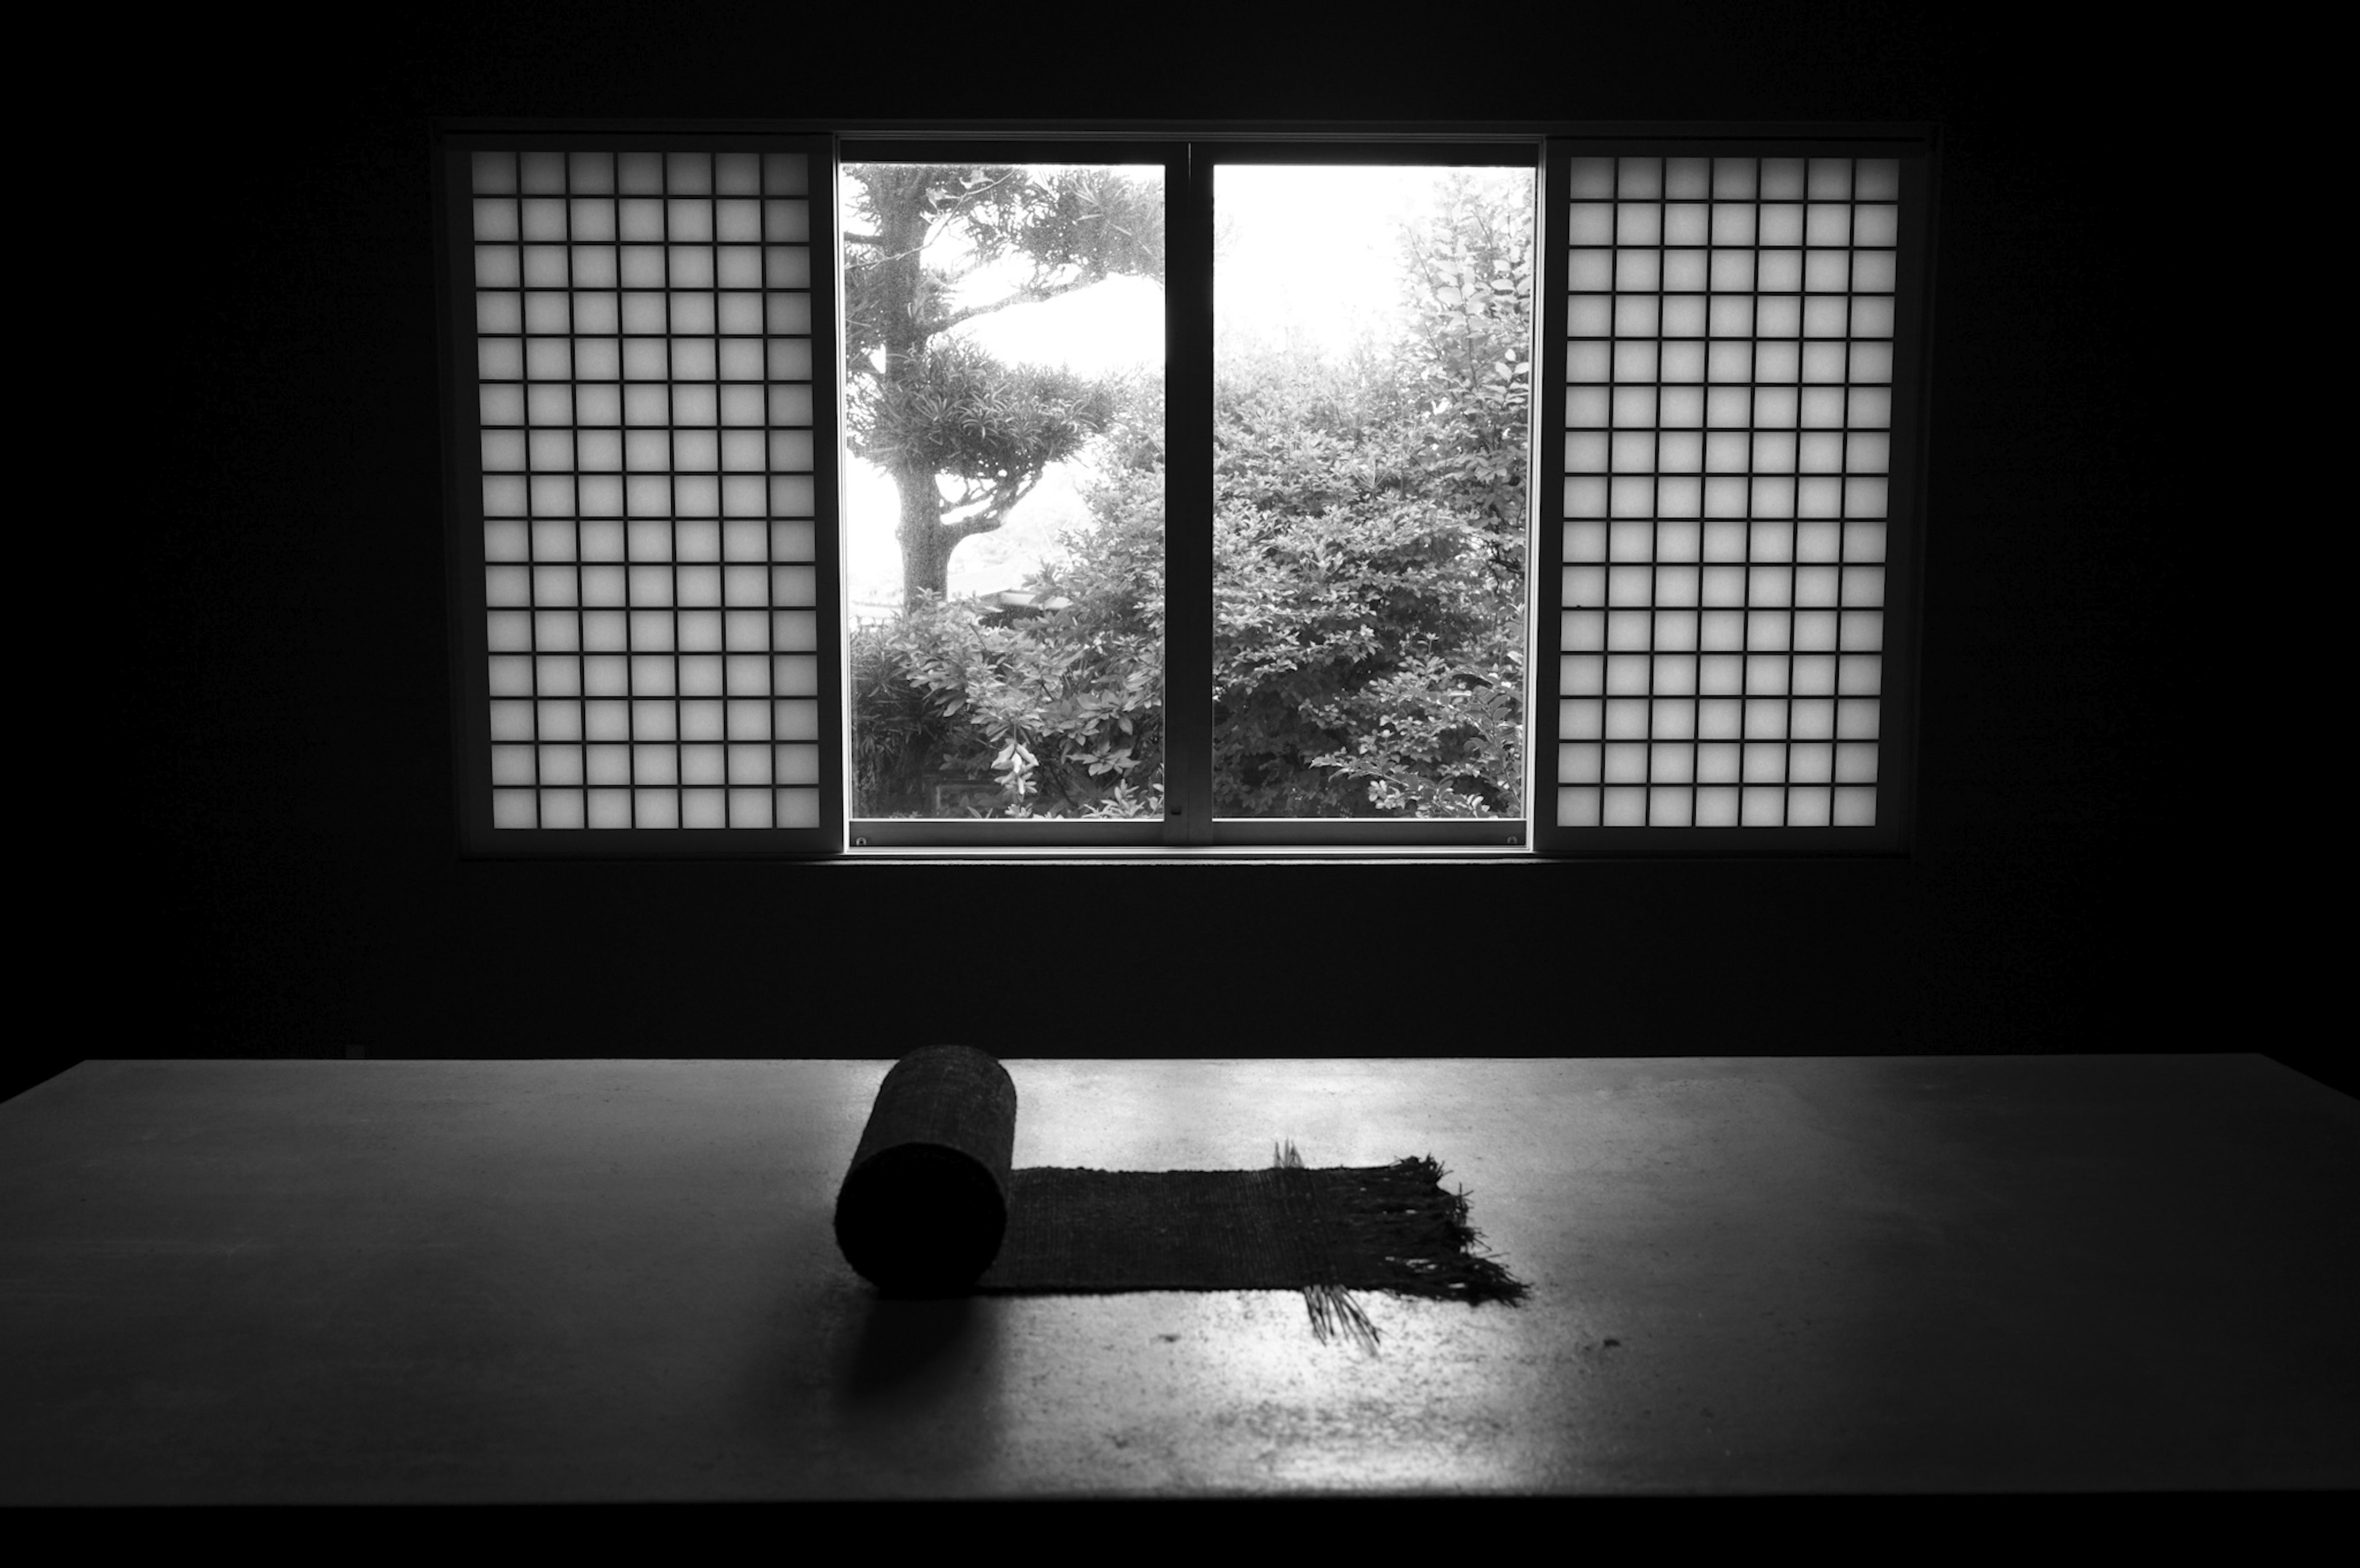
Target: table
{"x": 333, "y": 1282}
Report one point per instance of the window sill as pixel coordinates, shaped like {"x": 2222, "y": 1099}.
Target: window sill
{"x": 1193, "y": 855}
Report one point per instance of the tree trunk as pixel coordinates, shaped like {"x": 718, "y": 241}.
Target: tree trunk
{"x": 905, "y": 310}
{"x": 925, "y": 543}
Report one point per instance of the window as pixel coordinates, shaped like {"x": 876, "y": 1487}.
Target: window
{"x": 1638, "y": 581}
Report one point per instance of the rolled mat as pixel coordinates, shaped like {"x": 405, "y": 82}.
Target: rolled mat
{"x": 931, "y": 1206}
{"x": 925, "y": 1207}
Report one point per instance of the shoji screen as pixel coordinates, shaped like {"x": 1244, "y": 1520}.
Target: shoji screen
{"x": 643, "y": 431}
{"x": 1736, "y": 409}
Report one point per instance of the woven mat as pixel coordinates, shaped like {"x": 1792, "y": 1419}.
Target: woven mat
{"x": 1323, "y": 1232}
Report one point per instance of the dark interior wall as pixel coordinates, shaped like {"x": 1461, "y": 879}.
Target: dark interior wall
{"x": 297, "y": 796}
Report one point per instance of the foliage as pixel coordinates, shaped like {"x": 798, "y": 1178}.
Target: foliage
{"x": 1469, "y": 356}
{"x": 1077, "y": 227}
{"x": 1368, "y": 657}
{"x": 925, "y": 403}
{"x": 1068, "y": 720}
{"x": 1369, "y": 592}
{"x": 1094, "y": 220}
{"x": 1369, "y": 539}
{"x": 960, "y": 412}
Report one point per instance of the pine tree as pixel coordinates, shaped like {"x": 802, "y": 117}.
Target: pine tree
{"x": 927, "y": 406}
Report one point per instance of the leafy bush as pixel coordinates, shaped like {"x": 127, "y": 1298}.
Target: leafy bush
{"x": 1065, "y": 722}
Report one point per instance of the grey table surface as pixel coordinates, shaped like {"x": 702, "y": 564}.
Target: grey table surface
{"x": 599, "y": 1280}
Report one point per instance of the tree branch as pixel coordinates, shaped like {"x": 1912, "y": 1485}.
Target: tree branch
{"x": 960, "y": 208}
{"x": 1003, "y": 505}
{"x": 967, "y": 527}
{"x": 1000, "y": 500}
{"x": 1031, "y": 294}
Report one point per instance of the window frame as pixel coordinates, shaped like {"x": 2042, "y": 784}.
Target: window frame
{"x": 1191, "y": 176}
{"x": 1189, "y": 150}
{"x": 1896, "y": 785}
{"x": 464, "y": 472}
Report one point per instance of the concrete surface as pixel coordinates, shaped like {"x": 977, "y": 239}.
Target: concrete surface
{"x": 392, "y": 1281}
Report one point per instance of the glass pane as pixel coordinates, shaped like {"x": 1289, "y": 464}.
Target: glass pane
{"x": 1004, "y": 489}
{"x": 1372, "y": 332}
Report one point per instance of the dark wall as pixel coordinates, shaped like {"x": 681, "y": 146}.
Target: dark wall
{"x": 297, "y": 795}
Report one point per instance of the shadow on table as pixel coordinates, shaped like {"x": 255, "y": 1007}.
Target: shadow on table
{"x": 909, "y": 1349}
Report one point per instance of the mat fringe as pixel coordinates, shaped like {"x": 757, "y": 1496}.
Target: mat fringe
{"x": 1424, "y": 1234}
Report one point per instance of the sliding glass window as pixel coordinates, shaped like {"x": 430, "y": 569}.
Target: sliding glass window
{"x": 1188, "y": 502}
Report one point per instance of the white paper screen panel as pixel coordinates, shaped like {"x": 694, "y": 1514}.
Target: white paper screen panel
{"x": 650, "y": 572}
{"x": 1729, "y": 369}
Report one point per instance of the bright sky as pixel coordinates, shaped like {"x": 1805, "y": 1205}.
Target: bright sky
{"x": 1311, "y": 249}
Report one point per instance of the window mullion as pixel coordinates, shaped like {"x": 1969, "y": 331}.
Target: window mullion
{"x": 1189, "y": 500}
{"x": 1545, "y": 666}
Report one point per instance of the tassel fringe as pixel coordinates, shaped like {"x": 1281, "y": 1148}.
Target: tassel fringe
{"x": 1333, "y": 1311}
{"x": 1423, "y": 1232}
